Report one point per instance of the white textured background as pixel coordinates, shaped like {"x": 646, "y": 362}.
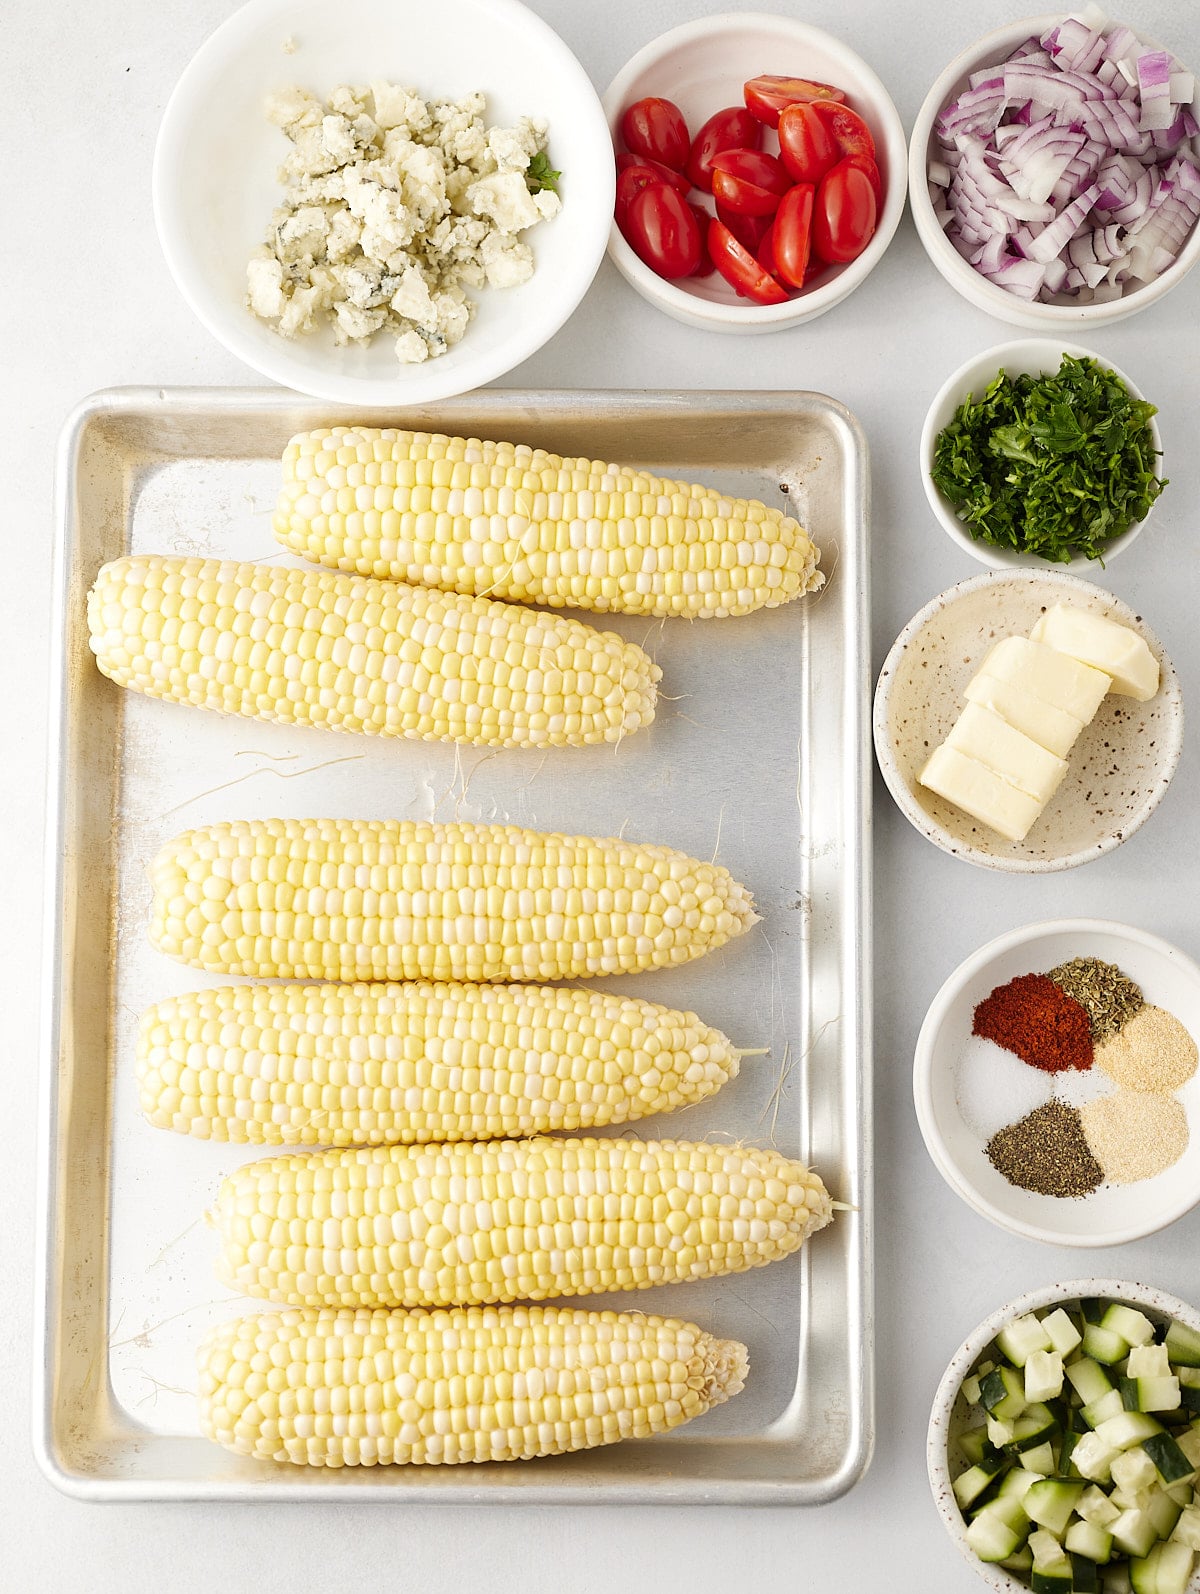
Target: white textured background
{"x": 88, "y": 304}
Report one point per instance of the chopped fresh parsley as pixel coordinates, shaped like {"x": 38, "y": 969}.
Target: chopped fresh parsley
{"x": 1050, "y": 465}
{"x": 540, "y": 174}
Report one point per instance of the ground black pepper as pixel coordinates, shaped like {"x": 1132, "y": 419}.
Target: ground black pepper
{"x": 1046, "y": 1152}
{"x": 1108, "y": 996}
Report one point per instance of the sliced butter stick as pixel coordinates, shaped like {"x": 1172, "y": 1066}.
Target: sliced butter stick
{"x": 980, "y": 792}
{"x": 1042, "y": 670}
{"x": 1050, "y": 727}
{"x": 1015, "y": 757}
{"x": 1105, "y": 645}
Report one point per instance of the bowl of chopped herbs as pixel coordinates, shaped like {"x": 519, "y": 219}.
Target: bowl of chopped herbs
{"x": 1040, "y": 452}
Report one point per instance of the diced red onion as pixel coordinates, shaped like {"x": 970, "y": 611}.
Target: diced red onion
{"x": 1068, "y": 170}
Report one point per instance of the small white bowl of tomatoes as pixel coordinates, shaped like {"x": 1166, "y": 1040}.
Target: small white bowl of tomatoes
{"x": 750, "y": 200}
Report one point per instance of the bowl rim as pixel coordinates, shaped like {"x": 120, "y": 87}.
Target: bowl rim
{"x": 963, "y": 277}
{"x": 425, "y": 383}
{"x": 956, "y": 384}
{"x": 676, "y": 300}
{"x": 937, "y": 1436}
{"x": 922, "y": 1083}
{"x": 898, "y": 787}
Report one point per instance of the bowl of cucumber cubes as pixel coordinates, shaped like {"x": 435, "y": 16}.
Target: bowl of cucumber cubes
{"x": 1064, "y": 1443}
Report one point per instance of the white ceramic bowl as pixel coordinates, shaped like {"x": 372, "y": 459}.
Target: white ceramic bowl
{"x": 990, "y": 50}
{"x": 1026, "y": 357}
{"x": 702, "y": 66}
{"x": 1120, "y": 766}
{"x": 954, "y": 1071}
{"x": 215, "y": 182}
{"x": 950, "y": 1412}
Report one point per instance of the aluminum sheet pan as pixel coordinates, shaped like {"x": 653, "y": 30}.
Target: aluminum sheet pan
{"x": 758, "y": 755}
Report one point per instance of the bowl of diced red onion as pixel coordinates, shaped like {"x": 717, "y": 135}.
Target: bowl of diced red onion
{"x": 1054, "y": 172}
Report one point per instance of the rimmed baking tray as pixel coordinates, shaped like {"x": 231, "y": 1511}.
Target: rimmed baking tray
{"x": 758, "y": 755}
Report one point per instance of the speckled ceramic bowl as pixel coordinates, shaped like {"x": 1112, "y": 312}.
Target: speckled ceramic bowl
{"x": 950, "y": 1412}
{"x": 1120, "y": 766}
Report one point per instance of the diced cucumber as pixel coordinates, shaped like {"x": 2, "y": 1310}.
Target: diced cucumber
{"x": 973, "y": 1442}
{"x": 1091, "y": 1308}
{"x": 1021, "y": 1562}
{"x": 970, "y": 1390}
{"x": 1189, "y": 1442}
{"x": 1158, "y": 1394}
{"x": 1103, "y": 1345}
{"x": 1189, "y": 1392}
{"x": 1093, "y": 1459}
{"x": 1087, "y": 1538}
{"x": 1084, "y": 1577}
{"x": 1133, "y": 1532}
{"x": 1182, "y": 1493}
{"x": 1041, "y": 1460}
{"x": 1089, "y": 1379}
{"x": 1002, "y": 1394}
{"x": 1134, "y": 1327}
{"x": 1095, "y": 1506}
{"x": 1043, "y": 1375}
{"x": 1051, "y": 1502}
{"x": 1163, "y": 1512}
{"x": 969, "y": 1486}
{"x": 1051, "y": 1572}
{"x": 1165, "y": 1569}
{"x": 990, "y": 1539}
{"x": 1129, "y": 1429}
{"x": 1109, "y": 1405}
{"x": 1148, "y": 1361}
{"x": 1016, "y": 1484}
{"x": 1189, "y": 1377}
{"x": 1169, "y": 1460}
{"x": 1033, "y": 1427}
{"x": 1066, "y": 1467}
{"x": 1020, "y": 1338}
{"x": 999, "y": 1433}
{"x": 1061, "y": 1331}
{"x": 1187, "y": 1529}
{"x": 1183, "y": 1344}
{"x": 1134, "y": 1471}
{"x": 1116, "y": 1578}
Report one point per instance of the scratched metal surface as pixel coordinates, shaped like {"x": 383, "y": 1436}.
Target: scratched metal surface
{"x": 757, "y": 756}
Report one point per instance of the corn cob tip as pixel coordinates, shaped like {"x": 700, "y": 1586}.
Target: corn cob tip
{"x": 726, "y": 1368}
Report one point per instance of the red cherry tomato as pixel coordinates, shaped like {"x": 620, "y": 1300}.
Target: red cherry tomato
{"x": 791, "y": 235}
{"x": 706, "y": 267}
{"x": 867, "y": 165}
{"x": 766, "y": 96}
{"x": 844, "y": 214}
{"x": 746, "y": 181}
{"x": 739, "y": 267}
{"x": 806, "y": 145}
{"x": 748, "y": 230}
{"x": 630, "y": 183}
{"x": 663, "y": 173}
{"x": 765, "y": 254}
{"x": 663, "y": 231}
{"x": 732, "y": 128}
{"x": 849, "y": 132}
{"x": 656, "y": 128}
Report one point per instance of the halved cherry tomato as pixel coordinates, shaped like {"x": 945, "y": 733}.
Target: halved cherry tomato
{"x": 806, "y": 145}
{"x": 748, "y": 230}
{"x": 664, "y": 173}
{"x": 706, "y": 267}
{"x": 844, "y": 214}
{"x": 791, "y": 234}
{"x": 663, "y": 231}
{"x": 765, "y": 253}
{"x": 630, "y": 183}
{"x": 767, "y": 95}
{"x": 849, "y": 132}
{"x": 866, "y": 164}
{"x": 739, "y": 267}
{"x": 732, "y": 128}
{"x": 748, "y": 182}
{"x": 656, "y": 128}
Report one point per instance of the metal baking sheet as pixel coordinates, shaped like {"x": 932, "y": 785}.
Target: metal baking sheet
{"x": 758, "y": 756}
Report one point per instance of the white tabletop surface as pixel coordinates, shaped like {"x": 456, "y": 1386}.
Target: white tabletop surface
{"x": 90, "y": 305}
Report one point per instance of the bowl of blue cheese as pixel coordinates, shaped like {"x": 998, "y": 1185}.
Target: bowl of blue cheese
{"x": 383, "y": 205}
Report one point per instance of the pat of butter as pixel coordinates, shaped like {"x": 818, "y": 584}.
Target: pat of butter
{"x": 1053, "y": 676}
{"x": 980, "y": 792}
{"x": 1050, "y": 727}
{"x": 1015, "y": 757}
{"x": 1105, "y": 645}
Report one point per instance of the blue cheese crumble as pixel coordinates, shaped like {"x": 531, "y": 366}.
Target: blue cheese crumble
{"x": 393, "y": 207}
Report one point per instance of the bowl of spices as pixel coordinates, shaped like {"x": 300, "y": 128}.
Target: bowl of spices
{"x": 1056, "y": 1082}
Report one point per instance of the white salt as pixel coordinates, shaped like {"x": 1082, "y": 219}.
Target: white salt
{"x": 994, "y": 1087}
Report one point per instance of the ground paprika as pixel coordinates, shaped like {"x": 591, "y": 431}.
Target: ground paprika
{"x": 1037, "y": 1020}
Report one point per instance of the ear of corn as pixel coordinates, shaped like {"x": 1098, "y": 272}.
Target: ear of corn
{"x": 363, "y": 1065}
{"x": 507, "y": 521}
{"x": 507, "y": 1220}
{"x": 366, "y": 1388}
{"x": 306, "y": 647}
{"x": 383, "y": 900}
